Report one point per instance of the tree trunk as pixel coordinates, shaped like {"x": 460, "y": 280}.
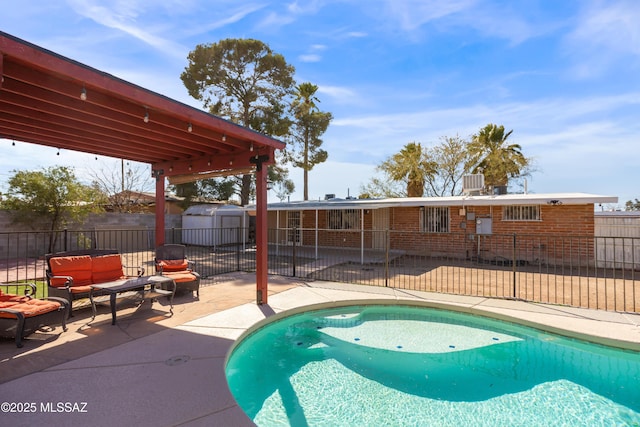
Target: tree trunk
{"x": 245, "y": 191}
{"x": 305, "y": 166}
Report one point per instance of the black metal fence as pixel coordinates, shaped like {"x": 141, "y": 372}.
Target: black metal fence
{"x": 592, "y": 272}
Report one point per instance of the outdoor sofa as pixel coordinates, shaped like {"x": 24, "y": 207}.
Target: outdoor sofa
{"x": 70, "y": 274}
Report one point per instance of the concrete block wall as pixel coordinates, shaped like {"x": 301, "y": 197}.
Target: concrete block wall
{"x": 32, "y": 240}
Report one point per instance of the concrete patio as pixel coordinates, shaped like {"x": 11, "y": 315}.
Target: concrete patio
{"x": 154, "y": 369}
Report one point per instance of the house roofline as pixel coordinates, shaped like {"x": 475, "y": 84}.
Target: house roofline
{"x": 462, "y": 201}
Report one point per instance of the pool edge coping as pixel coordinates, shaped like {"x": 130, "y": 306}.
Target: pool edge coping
{"x": 473, "y": 309}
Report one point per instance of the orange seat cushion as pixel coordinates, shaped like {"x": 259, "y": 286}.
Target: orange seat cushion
{"x": 173, "y": 264}
{"x": 180, "y": 276}
{"x": 78, "y": 267}
{"x": 80, "y": 289}
{"x": 29, "y": 307}
{"x": 106, "y": 268}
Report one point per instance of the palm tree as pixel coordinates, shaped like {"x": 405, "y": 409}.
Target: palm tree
{"x": 305, "y": 99}
{"x": 309, "y": 125}
{"x": 494, "y": 157}
{"x": 412, "y": 166}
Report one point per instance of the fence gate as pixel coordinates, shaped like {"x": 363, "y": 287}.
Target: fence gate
{"x": 293, "y": 227}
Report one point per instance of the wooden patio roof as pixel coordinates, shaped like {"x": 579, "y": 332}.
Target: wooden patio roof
{"x": 51, "y": 100}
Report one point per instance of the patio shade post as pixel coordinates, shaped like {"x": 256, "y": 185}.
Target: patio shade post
{"x": 159, "y": 208}
{"x": 261, "y": 230}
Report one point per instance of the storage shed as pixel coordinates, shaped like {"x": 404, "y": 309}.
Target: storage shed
{"x": 213, "y": 225}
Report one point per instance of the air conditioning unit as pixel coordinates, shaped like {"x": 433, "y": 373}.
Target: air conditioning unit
{"x": 472, "y": 183}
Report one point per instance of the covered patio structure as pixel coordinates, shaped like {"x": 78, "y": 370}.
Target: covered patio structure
{"x": 51, "y": 100}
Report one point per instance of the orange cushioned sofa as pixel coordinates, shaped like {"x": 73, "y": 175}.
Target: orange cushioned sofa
{"x": 71, "y": 274}
{"x": 22, "y": 315}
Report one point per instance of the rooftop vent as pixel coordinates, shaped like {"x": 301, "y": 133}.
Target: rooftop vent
{"x": 329, "y": 196}
{"x": 472, "y": 183}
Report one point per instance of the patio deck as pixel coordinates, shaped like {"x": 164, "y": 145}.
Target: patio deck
{"x": 155, "y": 370}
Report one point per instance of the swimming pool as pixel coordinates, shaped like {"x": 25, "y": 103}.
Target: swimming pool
{"x": 404, "y": 365}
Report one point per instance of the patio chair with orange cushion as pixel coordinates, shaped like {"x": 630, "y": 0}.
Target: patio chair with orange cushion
{"x": 171, "y": 261}
{"x": 22, "y": 315}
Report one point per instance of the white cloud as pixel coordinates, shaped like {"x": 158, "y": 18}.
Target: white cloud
{"x": 124, "y": 16}
{"x": 606, "y": 34}
{"x": 545, "y": 128}
{"x": 341, "y": 95}
{"x": 275, "y": 20}
{"x": 412, "y": 14}
{"x": 305, "y": 7}
{"x": 310, "y": 57}
{"x": 504, "y": 21}
{"x": 237, "y": 15}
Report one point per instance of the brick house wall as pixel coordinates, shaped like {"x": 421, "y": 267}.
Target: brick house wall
{"x": 564, "y": 232}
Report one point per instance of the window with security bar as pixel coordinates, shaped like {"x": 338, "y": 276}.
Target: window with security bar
{"x": 345, "y": 219}
{"x": 521, "y": 213}
{"x": 435, "y": 219}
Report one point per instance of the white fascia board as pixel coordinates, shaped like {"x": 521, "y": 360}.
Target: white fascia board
{"x": 484, "y": 200}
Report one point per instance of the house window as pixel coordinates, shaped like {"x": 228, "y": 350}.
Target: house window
{"x": 521, "y": 213}
{"x": 345, "y": 219}
{"x": 435, "y": 219}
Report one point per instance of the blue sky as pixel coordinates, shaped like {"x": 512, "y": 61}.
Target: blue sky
{"x": 564, "y": 75}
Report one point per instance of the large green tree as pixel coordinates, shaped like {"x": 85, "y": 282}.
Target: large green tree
{"x": 50, "y": 198}
{"x": 412, "y": 166}
{"x": 308, "y": 125}
{"x": 492, "y": 155}
{"x": 209, "y": 189}
{"x": 244, "y": 81}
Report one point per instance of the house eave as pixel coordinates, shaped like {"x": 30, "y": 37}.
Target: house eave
{"x": 462, "y": 201}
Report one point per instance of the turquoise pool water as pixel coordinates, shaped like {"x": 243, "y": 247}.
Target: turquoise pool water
{"x": 411, "y": 366}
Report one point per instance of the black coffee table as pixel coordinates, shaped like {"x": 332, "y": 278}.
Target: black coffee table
{"x": 149, "y": 286}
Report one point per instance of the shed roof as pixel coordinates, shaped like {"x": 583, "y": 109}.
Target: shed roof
{"x": 213, "y": 209}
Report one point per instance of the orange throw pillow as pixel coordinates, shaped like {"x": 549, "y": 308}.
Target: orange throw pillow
{"x": 107, "y": 268}
{"x": 78, "y": 267}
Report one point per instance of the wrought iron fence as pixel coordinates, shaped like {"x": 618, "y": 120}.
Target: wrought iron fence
{"x": 583, "y": 271}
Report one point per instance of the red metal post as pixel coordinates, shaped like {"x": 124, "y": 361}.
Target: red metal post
{"x": 261, "y": 235}
{"x": 159, "y": 208}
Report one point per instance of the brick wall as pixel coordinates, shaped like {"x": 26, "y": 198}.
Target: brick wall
{"x": 563, "y": 231}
